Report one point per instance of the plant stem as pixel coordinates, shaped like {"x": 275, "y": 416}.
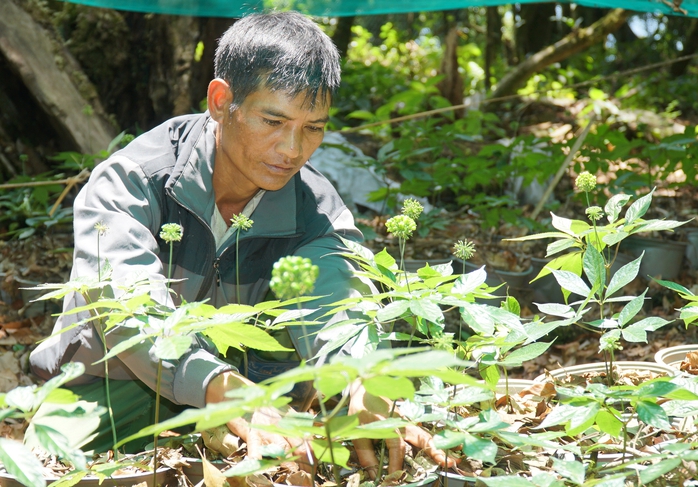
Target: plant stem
{"x": 381, "y": 457}
{"x": 237, "y": 264}
{"x": 157, "y": 420}
{"x": 102, "y": 337}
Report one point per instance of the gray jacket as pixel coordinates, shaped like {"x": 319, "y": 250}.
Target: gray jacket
{"x": 165, "y": 176}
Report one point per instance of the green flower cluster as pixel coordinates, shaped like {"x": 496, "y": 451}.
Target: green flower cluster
{"x": 463, "y": 249}
{"x": 241, "y": 222}
{"x": 402, "y": 226}
{"x": 585, "y": 182}
{"x": 293, "y": 276}
{"x": 412, "y": 208}
{"x": 171, "y": 232}
{"x": 595, "y": 213}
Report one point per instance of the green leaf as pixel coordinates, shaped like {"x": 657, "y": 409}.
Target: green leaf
{"x": 467, "y": 283}
{"x": 631, "y": 309}
{"x": 171, "y": 347}
{"x": 570, "y": 469}
{"x": 339, "y": 454}
{"x": 561, "y": 414}
{"x": 637, "y": 332}
{"x": 639, "y": 208}
{"x": 330, "y": 384}
{"x": 239, "y": 334}
{"x": 624, "y": 276}
{"x": 584, "y": 419}
{"x": 658, "y": 388}
{"x": 528, "y": 352}
{"x": 652, "y": 414}
{"x": 384, "y": 259}
{"x": 675, "y": 287}
{"x": 477, "y": 317}
{"x": 570, "y": 227}
{"x": 614, "y": 205}
{"x": 555, "y": 309}
{"x": 427, "y": 309}
{"x": 594, "y": 267}
{"x": 480, "y": 449}
{"x": 609, "y": 423}
{"x": 21, "y": 462}
{"x": 572, "y": 282}
{"x": 506, "y": 481}
{"x": 390, "y": 387}
{"x": 656, "y": 470}
{"x": 559, "y": 245}
{"x": 392, "y": 310}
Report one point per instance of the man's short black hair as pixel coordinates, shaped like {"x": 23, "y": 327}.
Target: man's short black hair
{"x": 284, "y": 51}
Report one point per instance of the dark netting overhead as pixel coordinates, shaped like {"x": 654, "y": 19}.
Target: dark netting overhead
{"x": 336, "y": 8}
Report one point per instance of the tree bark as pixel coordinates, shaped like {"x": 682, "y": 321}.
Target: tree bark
{"x": 690, "y": 46}
{"x": 573, "y": 43}
{"x": 493, "y": 42}
{"x": 451, "y": 87}
{"x": 54, "y": 79}
{"x": 536, "y": 29}
{"x": 342, "y": 34}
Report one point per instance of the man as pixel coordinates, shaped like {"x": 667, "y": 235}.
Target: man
{"x": 267, "y": 109}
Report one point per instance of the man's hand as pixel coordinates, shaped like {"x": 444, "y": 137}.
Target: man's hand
{"x": 257, "y": 439}
{"x": 373, "y": 408}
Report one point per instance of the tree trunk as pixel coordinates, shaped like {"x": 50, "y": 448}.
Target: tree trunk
{"x": 690, "y": 46}
{"x": 54, "y": 80}
{"x": 342, "y": 34}
{"x": 451, "y": 87}
{"x": 573, "y": 43}
{"x": 536, "y": 29}
{"x": 493, "y": 42}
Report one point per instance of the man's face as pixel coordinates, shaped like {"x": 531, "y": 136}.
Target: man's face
{"x": 266, "y": 141}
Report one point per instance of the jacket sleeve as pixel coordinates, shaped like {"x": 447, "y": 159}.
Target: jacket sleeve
{"x": 336, "y": 281}
{"x": 120, "y": 198}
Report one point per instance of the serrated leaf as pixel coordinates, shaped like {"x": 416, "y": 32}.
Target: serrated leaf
{"x": 528, "y": 352}
{"x": 171, "y": 347}
{"x": 639, "y": 208}
{"x": 427, "y": 309}
{"x": 614, "y": 205}
{"x": 572, "y": 282}
{"x": 21, "y": 462}
{"x": 594, "y": 267}
{"x": 624, "y": 276}
{"x": 240, "y": 335}
{"x": 652, "y": 414}
{"x": 393, "y": 310}
{"x": 631, "y": 309}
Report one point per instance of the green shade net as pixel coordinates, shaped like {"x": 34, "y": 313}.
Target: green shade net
{"x": 341, "y": 8}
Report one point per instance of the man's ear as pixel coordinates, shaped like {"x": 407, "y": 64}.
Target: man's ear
{"x": 219, "y": 98}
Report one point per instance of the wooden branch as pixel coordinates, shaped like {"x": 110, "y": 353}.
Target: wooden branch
{"x": 572, "y": 43}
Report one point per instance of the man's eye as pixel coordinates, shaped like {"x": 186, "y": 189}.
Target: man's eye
{"x": 316, "y": 129}
{"x": 273, "y": 123}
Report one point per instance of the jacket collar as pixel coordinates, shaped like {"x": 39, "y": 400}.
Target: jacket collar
{"x": 192, "y": 187}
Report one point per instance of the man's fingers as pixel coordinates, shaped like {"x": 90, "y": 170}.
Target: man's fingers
{"x": 421, "y": 439}
{"x": 396, "y": 453}
{"x": 367, "y": 457}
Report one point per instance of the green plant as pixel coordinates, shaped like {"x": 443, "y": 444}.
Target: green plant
{"x": 589, "y": 249}
{"x": 23, "y": 403}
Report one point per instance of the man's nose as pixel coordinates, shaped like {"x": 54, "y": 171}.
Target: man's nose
{"x": 290, "y": 144}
